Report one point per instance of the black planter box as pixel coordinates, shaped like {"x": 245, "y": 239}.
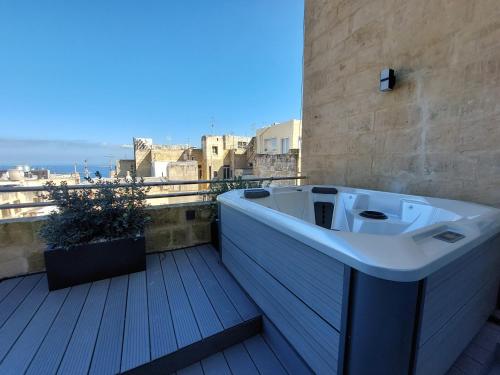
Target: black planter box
{"x": 215, "y": 234}
{"x": 96, "y": 261}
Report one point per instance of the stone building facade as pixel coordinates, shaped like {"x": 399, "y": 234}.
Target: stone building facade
{"x": 438, "y": 132}
{"x": 277, "y": 165}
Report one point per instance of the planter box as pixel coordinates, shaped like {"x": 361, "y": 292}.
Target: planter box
{"x": 215, "y": 234}
{"x": 92, "y": 262}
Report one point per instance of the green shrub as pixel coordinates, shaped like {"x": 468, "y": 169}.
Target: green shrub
{"x": 89, "y": 215}
{"x": 222, "y": 187}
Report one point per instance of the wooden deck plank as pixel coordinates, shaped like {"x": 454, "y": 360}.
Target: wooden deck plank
{"x": 16, "y": 296}
{"x": 78, "y": 354}
{"x": 185, "y": 325}
{"x": 205, "y": 315}
{"x": 263, "y": 356}
{"x": 246, "y": 308}
{"x": 23, "y": 351}
{"x": 194, "y": 369}
{"x": 215, "y": 365}
{"x": 223, "y": 307}
{"x": 53, "y": 347}
{"x": 161, "y": 328}
{"x": 108, "y": 348}
{"x": 240, "y": 361}
{"x": 136, "y": 350}
{"x": 286, "y": 354}
{"x": 18, "y": 321}
{"x": 7, "y": 285}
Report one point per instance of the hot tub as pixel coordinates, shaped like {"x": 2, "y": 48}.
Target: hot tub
{"x": 363, "y": 281}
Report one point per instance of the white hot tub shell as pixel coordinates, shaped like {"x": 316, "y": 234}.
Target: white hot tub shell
{"x": 380, "y": 271}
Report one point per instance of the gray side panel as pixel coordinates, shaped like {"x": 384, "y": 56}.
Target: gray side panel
{"x": 381, "y": 325}
{"x": 313, "y": 338}
{"x": 458, "y": 301}
{"x": 313, "y": 277}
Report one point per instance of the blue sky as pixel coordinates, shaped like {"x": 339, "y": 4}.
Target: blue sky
{"x": 102, "y": 72}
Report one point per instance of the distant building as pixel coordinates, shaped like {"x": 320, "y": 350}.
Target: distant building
{"x": 277, "y": 151}
{"x": 22, "y": 176}
{"x": 124, "y": 167}
{"x": 153, "y": 160}
{"x": 222, "y": 154}
{"x": 279, "y": 138}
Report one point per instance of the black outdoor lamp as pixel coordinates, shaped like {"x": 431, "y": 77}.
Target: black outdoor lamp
{"x": 387, "y": 79}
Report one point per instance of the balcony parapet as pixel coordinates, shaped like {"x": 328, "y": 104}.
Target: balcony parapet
{"x": 171, "y": 227}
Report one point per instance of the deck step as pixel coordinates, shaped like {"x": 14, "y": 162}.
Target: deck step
{"x": 482, "y": 355}
{"x": 201, "y": 349}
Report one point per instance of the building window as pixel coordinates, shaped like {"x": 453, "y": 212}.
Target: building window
{"x": 285, "y": 145}
{"x": 242, "y": 144}
{"x": 200, "y": 172}
{"x": 215, "y": 174}
{"x": 270, "y": 145}
{"x": 215, "y": 150}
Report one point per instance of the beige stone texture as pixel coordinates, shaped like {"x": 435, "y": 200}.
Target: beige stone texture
{"x": 438, "y": 132}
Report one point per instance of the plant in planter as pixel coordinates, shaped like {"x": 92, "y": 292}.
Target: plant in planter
{"x": 220, "y": 188}
{"x": 96, "y": 232}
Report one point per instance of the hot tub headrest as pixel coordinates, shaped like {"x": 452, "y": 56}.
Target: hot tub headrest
{"x": 324, "y": 190}
{"x": 255, "y": 193}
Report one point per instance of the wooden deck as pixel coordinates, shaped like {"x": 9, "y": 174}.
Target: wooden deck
{"x": 482, "y": 355}
{"x": 252, "y": 357}
{"x": 183, "y": 299}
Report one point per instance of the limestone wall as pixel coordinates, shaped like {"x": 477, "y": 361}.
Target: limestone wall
{"x": 279, "y": 165}
{"x": 21, "y": 249}
{"x": 438, "y": 132}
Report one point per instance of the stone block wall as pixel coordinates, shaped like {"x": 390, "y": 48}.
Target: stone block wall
{"x": 278, "y": 165}
{"x": 438, "y": 132}
{"x": 21, "y": 249}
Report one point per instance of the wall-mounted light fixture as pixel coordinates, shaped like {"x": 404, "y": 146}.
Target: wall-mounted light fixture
{"x": 387, "y": 79}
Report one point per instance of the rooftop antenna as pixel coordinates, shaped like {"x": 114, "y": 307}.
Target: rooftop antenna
{"x": 86, "y": 169}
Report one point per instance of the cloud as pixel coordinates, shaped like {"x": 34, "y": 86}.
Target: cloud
{"x": 58, "y": 152}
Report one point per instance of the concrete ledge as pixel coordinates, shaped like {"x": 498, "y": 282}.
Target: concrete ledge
{"x": 21, "y": 249}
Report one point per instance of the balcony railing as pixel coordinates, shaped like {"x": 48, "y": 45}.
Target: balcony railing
{"x": 205, "y": 193}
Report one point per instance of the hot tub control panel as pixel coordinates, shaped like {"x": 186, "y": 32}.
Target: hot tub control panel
{"x": 449, "y": 236}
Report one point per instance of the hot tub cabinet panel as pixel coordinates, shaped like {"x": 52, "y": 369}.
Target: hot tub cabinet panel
{"x": 312, "y": 276}
{"x": 354, "y": 299}
{"x": 312, "y": 337}
{"x": 458, "y": 300}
